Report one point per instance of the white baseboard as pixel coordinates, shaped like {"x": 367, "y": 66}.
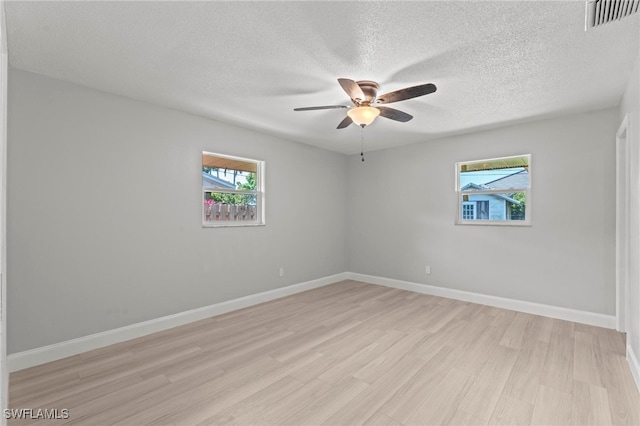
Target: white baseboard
{"x": 37, "y": 356}
{"x": 591, "y": 318}
{"x": 634, "y": 365}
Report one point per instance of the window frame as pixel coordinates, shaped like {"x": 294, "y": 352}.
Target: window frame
{"x": 507, "y": 222}
{"x": 258, "y": 192}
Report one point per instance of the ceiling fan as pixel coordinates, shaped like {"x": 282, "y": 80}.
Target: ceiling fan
{"x": 365, "y": 109}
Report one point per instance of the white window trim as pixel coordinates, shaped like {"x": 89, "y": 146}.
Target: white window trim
{"x": 527, "y": 192}
{"x": 258, "y": 192}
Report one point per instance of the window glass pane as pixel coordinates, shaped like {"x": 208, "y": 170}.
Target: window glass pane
{"x": 227, "y": 179}
{"x": 496, "y": 163}
{"x": 497, "y": 174}
{"x": 501, "y": 206}
{"x": 220, "y": 207}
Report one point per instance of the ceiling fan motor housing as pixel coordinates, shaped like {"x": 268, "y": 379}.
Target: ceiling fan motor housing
{"x": 370, "y": 90}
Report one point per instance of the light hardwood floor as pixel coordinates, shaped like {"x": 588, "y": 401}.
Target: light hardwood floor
{"x": 346, "y": 354}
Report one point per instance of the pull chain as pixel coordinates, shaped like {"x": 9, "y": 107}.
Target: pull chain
{"x": 362, "y": 143}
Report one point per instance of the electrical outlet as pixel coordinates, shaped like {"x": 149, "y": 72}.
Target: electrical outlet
{"x": 427, "y": 270}
{"x": 281, "y": 271}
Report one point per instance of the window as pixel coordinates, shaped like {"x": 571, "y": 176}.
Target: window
{"x": 495, "y": 191}
{"x": 232, "y": 191}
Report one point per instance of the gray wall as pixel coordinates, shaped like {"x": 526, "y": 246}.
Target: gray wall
{"x": 631, "y": 105}
{"x": 402, "y": 207}
{"x": 92, "y": 246}
{"x": 104, "y": 213}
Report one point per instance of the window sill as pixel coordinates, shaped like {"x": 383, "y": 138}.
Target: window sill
{"x": 494, "y": 222}
{"x": 231, "y": 224}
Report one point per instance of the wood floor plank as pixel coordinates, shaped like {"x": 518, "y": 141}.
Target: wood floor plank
{"x": 379, "y": 419}
{"x": 462, "y": 418}
{"x": 624, "y": 399}
{"x": 486, "y": 389}
{"x": 586, "y": 358}
{"x": 305, "y": 341}
{"x": 552, "y": 407}
{"x": 515, "y": 335}
{"x": 80, "y": 394}
{"x": 524, "y": 378}
{"x": 103, "y": 405}
{"x": 156, "y": 408}
{"x": 211, "y": 399}
{"x": 230, "y": 358}
{"x": 248, "y": 410}
{"x": 442, "y": 404}
{"x": 203, "y": 388}
{"x": 368, "y": 403}
{"x": 311, "y": 372}
{"x": 347, "y": 343}
{"x": 371, "y": 371}
{"x": 444, "y": 318}
{"x": 511, "y": 411}
{"x": 606, "y": 340}
{"x": 409, "y": 397}
{"x": 320, "y": 409}
{"x": 590, "y": 405}
{"x": 478, "y": 352}
{"x": 557, "y": 371}
{"x": 276, "y": 413}
{"x": 502, "y": 317}
{"x": 346, "y": 354}
{"x": 599, "y": 398}
{"x": 350, "y": 364}
{"x": 30, "y": 389}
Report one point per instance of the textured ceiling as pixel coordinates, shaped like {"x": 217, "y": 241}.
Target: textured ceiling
{"x": 251, "y": 63}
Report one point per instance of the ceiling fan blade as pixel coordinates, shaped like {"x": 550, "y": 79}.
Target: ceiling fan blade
{"x": 345, "y": 123}
{"x": 320, "y": 107}
{"x": 394, "y": 114}
{"x": 406, "y": 93}
{"x": 351, "y": 87}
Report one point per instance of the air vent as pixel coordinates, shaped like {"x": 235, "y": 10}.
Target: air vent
{"x": 600, "y": 12}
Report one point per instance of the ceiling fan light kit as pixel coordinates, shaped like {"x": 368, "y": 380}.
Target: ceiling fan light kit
{"x": 365, "y": 99}
{"x": 363, "y": 115}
